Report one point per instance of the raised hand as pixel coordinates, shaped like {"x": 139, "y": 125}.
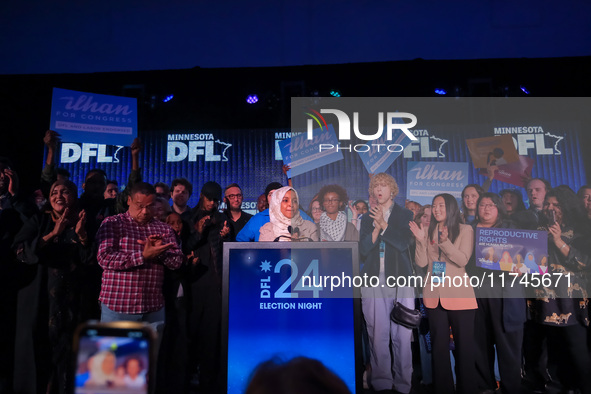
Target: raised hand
{"x": 285, "y": 168}
{"x": 51, "y": 139}
{"x": 490, "y": 171}
{"x": 225, "y": 230}
{"x": 200, "y": 225}
{"x": 353, "y": 209}
{"x": 136, "y": 147}
{"x": 417, "y": 230}
{"x": 12, "y": 181}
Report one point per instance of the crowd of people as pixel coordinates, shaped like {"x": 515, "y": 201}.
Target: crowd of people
{"x": 132, "y": 255}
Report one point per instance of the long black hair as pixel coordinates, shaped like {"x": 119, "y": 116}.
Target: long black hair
{"x": 573, "y": 211}
{"x": 452, "y": 220}
{"x": 501, "y": 217}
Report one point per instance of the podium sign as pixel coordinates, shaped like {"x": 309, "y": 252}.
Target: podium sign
{"x": 271, "y": 312}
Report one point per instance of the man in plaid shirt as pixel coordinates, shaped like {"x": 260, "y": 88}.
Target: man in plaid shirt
{"x": 133, "y": 250}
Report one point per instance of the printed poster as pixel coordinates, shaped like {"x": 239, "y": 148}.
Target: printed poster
{"x": 493, "y": 151}
{"x": 379, "y": 155}
{"x": 425, "y": 180}
{"x": 513, "y": 250}
{"x": 93, "y": 118}
{"x": 514, "y": 173}
{"x": 304, "y": 155}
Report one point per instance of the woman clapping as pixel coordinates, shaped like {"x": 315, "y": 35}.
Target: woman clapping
{"x": 52, "y": 245}
{"x": 446, "y": 247}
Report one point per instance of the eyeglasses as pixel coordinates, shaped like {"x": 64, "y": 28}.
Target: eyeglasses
{"x": 233, "y": 196}
{"x": 316, "y": 209}
{"x": 331, "y": 201}
{"x": 141, "y": 207}
{"x": 487, "y": 206}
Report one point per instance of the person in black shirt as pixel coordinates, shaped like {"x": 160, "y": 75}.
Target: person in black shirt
{"x": 238, "y": 218}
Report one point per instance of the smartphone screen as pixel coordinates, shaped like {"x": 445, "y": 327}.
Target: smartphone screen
{"x": 552, "y": 219}
{"x": 113, "y": 360}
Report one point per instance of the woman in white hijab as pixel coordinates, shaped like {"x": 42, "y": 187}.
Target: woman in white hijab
{"x": 286, "y": 223}
{"x": 102, "y": 369}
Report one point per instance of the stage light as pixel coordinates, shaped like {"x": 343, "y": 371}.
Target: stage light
{"x": 441, "y": 92}
{"x": 335, "y": 93}
{"x": 524, "y": 89}
{"x": 252, "y": 98}
{"x": 168, "y": 98}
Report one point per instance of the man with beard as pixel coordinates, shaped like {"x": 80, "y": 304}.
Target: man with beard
{"x": 209, "y": 228}
{"x": 181, "y": 190}
{"x": 238, "y": 218}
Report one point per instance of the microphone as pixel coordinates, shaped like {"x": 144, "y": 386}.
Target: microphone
{"x": 291, "y": 231}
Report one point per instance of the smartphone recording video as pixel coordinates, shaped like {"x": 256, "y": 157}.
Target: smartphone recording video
{"x": 552, "y": 219}
{"x": 113, "y": 358}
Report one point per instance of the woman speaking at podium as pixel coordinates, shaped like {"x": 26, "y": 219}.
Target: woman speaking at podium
{"x": 286, "y": 224}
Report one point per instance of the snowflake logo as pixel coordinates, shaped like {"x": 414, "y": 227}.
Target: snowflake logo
{"x": 266, "y": 266}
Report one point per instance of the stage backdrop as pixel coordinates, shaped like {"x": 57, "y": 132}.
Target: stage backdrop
{"x": 252, "y": 158}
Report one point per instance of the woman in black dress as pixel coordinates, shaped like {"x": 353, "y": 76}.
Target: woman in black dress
{"x": 563, "y": 307}
{"x": 52, "y": 245}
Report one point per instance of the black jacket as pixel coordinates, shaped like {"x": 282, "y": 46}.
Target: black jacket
{"x": 397, "y": 238}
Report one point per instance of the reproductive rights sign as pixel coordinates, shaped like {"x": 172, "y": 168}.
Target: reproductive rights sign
{"x": 513, "y": 250}
{"x": 94, "y": 118}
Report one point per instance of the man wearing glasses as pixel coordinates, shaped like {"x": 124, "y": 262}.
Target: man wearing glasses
{"x": 133, "y": 250}
{"x": 238, "y": 218}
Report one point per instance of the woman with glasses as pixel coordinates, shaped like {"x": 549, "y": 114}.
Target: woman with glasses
{"x": 501, "y": 312}
{"x": 333, "y": 222}
{"x": 445, "y": 248}
{"x": 315, "y": 209}
{"x": 563, "y": 308}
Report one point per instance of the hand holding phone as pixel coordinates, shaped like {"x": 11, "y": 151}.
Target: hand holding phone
{"x": 552, "y": 217}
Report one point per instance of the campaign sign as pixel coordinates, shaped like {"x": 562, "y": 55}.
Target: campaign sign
{"x": 271, "y": 312}
{"x": 492, "y": 151}
{"x": 94, "y": 118}
{"x": 514, "y": 173}
{"x": 378, "y": 155}
{"x": 513, "y": 250}
{"x": 425, "y": 180}
{"x": 303, "y": 154}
